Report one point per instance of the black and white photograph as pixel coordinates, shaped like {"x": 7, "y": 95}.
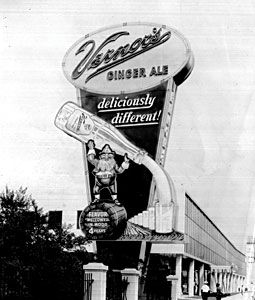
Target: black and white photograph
{"x": 127, "y": 154}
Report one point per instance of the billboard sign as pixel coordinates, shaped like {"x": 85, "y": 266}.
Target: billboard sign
{"x": 126, "y": 78}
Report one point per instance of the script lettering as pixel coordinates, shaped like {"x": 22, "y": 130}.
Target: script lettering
{"x": 102, "y": 61}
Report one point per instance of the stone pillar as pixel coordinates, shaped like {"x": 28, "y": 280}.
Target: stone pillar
{"x": 238, "y": 286}
{"x": 234, "y": 283}
{"x": 173, "y": 279}
{"x": 213, "y": 280}
{"x": 132, "y": 276}
{"x": 201, "y": 277}
{"x": 224, "y": 281}
{"x": 231, "y": 282}
{"x": 191, "y": 277}
{"x": 227, "y": 282}
{"x": 239, "y": 282}
{"x": 220, "y": 280}
{"x": 98, "y": 271}
{"x": 178, "y": 273}
{"x": 244, "y": 281}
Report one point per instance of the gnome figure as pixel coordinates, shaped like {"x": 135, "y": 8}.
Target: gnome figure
{"x": 106, "y": 170}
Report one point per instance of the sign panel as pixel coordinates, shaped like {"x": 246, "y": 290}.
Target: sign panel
{"x": 128, "y": 58}
{"x": 104, "y": 141}
{"x": 126, "y": 78}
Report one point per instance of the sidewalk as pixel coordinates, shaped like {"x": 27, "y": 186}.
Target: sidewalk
{"x": 245, "y": 296}
{"x": 238, "y": 296}
{"x": 234, "y": 296}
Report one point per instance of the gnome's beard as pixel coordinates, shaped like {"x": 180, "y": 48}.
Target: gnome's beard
{"x": 106, "y": 165}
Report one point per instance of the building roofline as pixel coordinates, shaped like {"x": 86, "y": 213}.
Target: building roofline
{"x": 186, "y": 194}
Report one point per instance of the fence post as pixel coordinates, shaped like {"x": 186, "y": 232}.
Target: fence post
{"x": 98, "y": 271}
{"x": 132, "y": 276}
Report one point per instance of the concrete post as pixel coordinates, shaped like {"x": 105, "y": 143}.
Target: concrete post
{"x": 238, "y": 283}
{"x": 132, "y": 276}
{"x": 173, "y": 279}
{"x": 178, "y": 273}
{"x": 214, "y": 278}
{"x": 224, "y": 286}
{"x": 238, "y": 286}
{"x": 201, "y": 277}
{"x": 237, "y": 280}
{"x": 232, "y": 283}
{"x": 227, "y": 281}
{"x": 242, "y": 282}
{"x": 220, "y": 280}
{"x": 98, "y": 271}
{"x": 191, "y": 277}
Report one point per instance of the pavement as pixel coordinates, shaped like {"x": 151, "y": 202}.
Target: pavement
{"x": 245, "y": 296}
{"x": 234, "y": 296}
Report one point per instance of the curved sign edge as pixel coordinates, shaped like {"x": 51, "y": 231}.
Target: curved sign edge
{"x": 179, "y": 76}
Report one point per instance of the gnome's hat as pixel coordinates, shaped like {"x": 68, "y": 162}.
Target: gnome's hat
{"x": 107, "y": 150}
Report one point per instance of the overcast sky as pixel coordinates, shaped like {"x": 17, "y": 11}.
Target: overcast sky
{"x": 212, "y": 144}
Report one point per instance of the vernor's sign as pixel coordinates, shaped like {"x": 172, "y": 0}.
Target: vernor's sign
{"x": 128, "y": 58}
{"x": 126, "y": 78}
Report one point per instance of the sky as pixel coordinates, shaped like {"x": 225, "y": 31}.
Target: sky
{"x": 212, "y": 142}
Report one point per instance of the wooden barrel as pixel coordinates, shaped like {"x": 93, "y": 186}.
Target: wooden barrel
{"x": 103, "y": 221}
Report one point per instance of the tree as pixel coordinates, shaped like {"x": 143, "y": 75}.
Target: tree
{"x": 27, "y": 243}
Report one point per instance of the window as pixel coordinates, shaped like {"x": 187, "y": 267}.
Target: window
{"x": 55, "y": 219}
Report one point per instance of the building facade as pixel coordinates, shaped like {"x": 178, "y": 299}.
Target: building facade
{"x": 205, "y": 255}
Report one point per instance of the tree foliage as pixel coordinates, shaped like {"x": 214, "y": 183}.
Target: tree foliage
{"x": 28, "y": 244}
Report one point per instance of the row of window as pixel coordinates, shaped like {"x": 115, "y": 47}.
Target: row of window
{"x": 198, "y": 234}
{"x": 200, "y": 218}
{"x": 207, "y": 239}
